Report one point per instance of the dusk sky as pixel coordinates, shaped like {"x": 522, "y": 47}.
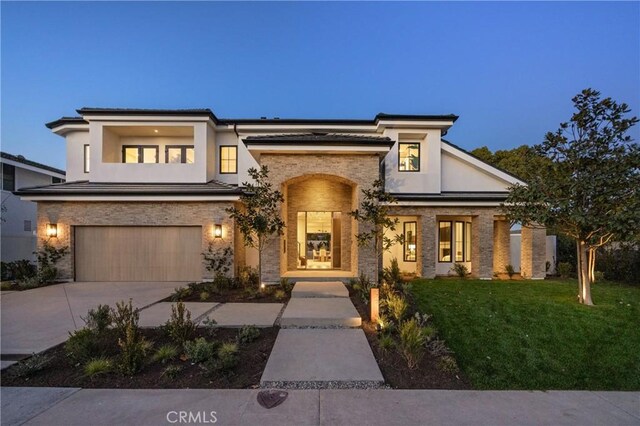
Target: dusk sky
{"x": 508, "y": 69}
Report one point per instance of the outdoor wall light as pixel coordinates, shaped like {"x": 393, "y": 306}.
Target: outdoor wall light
{"x": 52, "y": 230}
{"x": 217, "y": 231}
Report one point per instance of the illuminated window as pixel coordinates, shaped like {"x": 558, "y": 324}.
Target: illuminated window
{"x": 140, "y": 154}
{"x": 179, "y": 154}
{"x": 228, "y": 159}
{"x": 459, "y": 233}
{"x": 410, "y": 241}
{"x": 409, "y": 157}
{"x": 444, "y": 241}
{"x": 86, "y": 158}
{"x": 467, "y": 241}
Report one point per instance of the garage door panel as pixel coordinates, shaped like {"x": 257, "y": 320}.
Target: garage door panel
{"x": 130, "y": 253}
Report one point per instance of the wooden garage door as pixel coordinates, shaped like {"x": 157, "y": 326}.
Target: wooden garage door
{"x": 132, "y": 253}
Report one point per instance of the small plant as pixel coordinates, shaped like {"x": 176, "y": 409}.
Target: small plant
{"x": 181, "y": 293}
{"x": 460, "y": 269}
{"x": 385, "y": 324}
{"x": 280, "y": 295}
{"x": 448, "y": 364}
{"x": 179, "y": 327}
{"x": 133, "y": 349}
{"x": 363, "y": 286}
{"x": 598, "y": 276}
{"x": 83, "y": 345}
{"x": 286, "y": 285}
{"x": 392, "y": 275}
{"x": 227, "y": 356}
{"x": 211, "y": 326}
{"x": 200, "y": 350}
{"x": 29, "y": 283}
{"x": 172, "y": 372}
{"x": 204, "y": 296}
{"x": 412, "y": 342}
{"x": 165, "y": 353}
{"x": 218, "y": 260}
{"x": 248, "y": 334}
{"x": 387, "y": 343}
{"x": 48, "y": 257}
{"x": 97, "y": 366}
{"x": 510, "y": 271}
{"x": 98, "y": 319}
{"x": 123, "y": 315}
{"x": 438, "y": 348}
{"x": 396, "y": 307}
{"x": 423, "y": 319}
{"x": 565, "y": 269}
{"x": 31, "y": 365}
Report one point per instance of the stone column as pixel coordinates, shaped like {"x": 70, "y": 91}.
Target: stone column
{"x": 501, "y": 245}
{"x": 533, "y": 253}
{"x": 428, "y": 238}
{"x": 482, "y": 246}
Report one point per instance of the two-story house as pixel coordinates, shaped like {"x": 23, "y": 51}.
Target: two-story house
{"x": 147, "y": 192}
{"x": 18, "y": 227}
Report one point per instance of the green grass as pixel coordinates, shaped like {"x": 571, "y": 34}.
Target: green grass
{"x": 534, "y": 334}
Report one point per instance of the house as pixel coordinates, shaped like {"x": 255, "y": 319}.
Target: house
{"x": 18, "y": 225}
{"x": 147, "y": 190}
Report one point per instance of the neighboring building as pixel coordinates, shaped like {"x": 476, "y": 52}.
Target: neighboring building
{"x": 147, "y": 192}
{"x": 19, "y": 216}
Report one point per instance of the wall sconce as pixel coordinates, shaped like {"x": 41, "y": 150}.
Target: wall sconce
{"x": 52, "y": 230}
{"x": 217, "y": 231}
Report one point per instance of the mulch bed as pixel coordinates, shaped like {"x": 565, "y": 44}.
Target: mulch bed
{"x": 13, "y": 286}
{"x": 394, "y": 368}
{"x": 236, "y": 295}
{"x": 252, "y": 361}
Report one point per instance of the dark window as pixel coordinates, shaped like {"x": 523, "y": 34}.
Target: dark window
{"x": 140, "y": 154}
{"x": 176, "y": 154}
{"x": 228, "y": 159}
{"x": 409, "y": 157}
{"x": 8, "y": 177}
{"x": 410, "y": 241}
{"x": 27, "y": 226}
{"x": 56, "y": 179}
{"x": 86, "y": 158}
{"x": 444, "y": 241}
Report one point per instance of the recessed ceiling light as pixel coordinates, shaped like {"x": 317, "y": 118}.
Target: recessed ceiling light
{"x": 155, "y": 130}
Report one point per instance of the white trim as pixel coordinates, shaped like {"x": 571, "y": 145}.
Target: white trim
{"x": 63, "y": 129}
{"x": 130, "y": 198}
{"x": 445, "y": 203}
{"x": 293, "y": 149}
{"x": 32, "y": 168}
{"x": 456, "y": 152}
{"x": 138, "y": 118}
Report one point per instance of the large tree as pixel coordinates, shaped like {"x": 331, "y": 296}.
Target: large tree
{"x": 590, "y": 188}
{"x": 259, "y": 218}
{"x": 522, "y": 161}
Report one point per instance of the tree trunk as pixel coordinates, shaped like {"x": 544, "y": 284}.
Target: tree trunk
{"x": 584, "y": 281}
{"x": 592, "y": 265}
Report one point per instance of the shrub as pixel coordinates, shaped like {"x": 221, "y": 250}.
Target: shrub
{"x": 448, "y": 364}
{"x": 85, "y": 344}
{"x": 123, "y": 315}
{"x": 247, "y": 277}
{"x": 180, "y": 293}
{"x": 412, "y": 342}
{"x": 200, "y": 350}
{"x": 48, "y": 257}
{"x": 171, "y": 372}
{"x": 97, "y": 366}
{"x": 31, "y": 365}
{"x": 29, "y": 283}
{"x": 218, "y": 260}
{"x": 396, "y": 307}
{"x": 384, "y": 324}
{"x": 179, "y": 327}
{"x": 620, "y": 262}
{"x": 565, "y": 269}
{"x": 6, "y": 285}
{"x": 165, "y": 353}
{"x": 599, "y": 276}
{"x": 392, "y": 275}
{"x": 211, "y": 326}
{"x": 460, "y": 270}
{"x": 133, "y": 349}
{"x": 248, "y": 334}
{"x": 18, "y": 270}
{"x": 510, "y": 271}
{"x": 227, "y": 356}
{"x": 387, "y": 343}
{"x": 204, "y": 295}
{"x": 98, "y": 319}
{"x": 423, "y": 319}
{"x": 438, "y": 348}
{"x": 286, "y": 285}
{"x": 363, "y": 287}
{"x": 280, "y": 295}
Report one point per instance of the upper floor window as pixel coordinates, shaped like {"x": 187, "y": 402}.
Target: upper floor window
{"x": 56, "y": 179}
{"x": 228, "y": 159}
{"x": 410, "y": 240}
{"x": 140, "y": 154}
{"x": 86, "y": 158}
{"x": 8, "y": 177}
{"x": 409, "y": 156}
{"x": 179, "y": 154}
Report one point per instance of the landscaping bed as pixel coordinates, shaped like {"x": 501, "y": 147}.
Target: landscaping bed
{"x": 226, "y": 291}
{"x": 252, "y": 359}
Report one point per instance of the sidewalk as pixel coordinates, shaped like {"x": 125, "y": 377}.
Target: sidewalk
{"x": 57, "y": 406}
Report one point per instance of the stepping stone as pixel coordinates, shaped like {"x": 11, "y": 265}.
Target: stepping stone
{"x": 319, "y": 289}
{"x": 158, "y": 314}
{"x": 320, "y": 312}
{"x": 321, "y": 358}
{"x": 241, "y": 314}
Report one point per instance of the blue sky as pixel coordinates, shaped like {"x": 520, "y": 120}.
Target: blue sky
{"x": 508, "y": 69}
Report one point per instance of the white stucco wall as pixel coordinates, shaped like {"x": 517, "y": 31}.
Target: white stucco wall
{"x": 397, "y": 250}
{"x": 458, "y": 175}
{"x": 75, "y": 155}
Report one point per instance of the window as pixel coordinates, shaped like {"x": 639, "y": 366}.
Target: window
{"x": 27, "y": 226}
{"x": 410, "y": 240}
{"x": 467, "y": 241}
{"x": 86, "y": 158}
{"x": 140, "y": 154}
{"x": 8, "y": 177}
{"x": 459, "y": 233}
{"x": 56, "y": 179}
{"x": 444, "y": 242}
{"x": 409, "y": 157}
{"x": 179, "y": 154}
{"x": 228, "y": 159}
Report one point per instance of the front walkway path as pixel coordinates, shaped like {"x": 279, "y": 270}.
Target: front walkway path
{"x": 56, "y": 406}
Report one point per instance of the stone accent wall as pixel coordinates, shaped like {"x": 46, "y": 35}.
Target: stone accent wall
{"x": 69, "y": 214}
{"x": 533, "y": 253}
{"x": 501, "y": 246}
{"x": 482, "y": 245}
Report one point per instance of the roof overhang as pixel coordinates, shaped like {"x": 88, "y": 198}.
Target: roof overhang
{"x": 129, "y": 197}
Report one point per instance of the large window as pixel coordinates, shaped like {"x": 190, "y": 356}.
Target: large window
{"x": 8, "y": 177}
{"x": 467, "y": 241}
{"x": 459, "y": 237}
{"x": 410, "y": 240}
{"x": 444, "y": 241}
{"x": 409, "y": 157}
{"x": 228, "y": 159}
{"x": 179, "y": 154}
{"x": 86, "y": 158}
{"x": 140, "y": 154}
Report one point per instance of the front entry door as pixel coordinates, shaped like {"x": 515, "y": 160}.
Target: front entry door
{"x": 319, "y": 240}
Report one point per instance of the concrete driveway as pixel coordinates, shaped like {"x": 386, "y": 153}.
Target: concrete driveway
{"x": 35, "y": 320}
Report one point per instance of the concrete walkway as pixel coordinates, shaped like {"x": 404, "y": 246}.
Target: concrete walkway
{"x": 56, "y": 406}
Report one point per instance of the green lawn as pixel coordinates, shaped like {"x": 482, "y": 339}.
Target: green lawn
{"x": 534, "y": 334}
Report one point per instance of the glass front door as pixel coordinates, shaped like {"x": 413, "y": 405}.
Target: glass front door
{"x": 319, "y": 236}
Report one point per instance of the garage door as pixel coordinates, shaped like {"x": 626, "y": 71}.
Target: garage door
{"x": 132, "y": 253}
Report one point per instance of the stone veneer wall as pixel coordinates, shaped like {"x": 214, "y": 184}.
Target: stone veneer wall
{"x": 501, "y": 245}
{"x": 533, "y": 253}
{"x": 357, "y": 171}
{"x": 116, "y": 213}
